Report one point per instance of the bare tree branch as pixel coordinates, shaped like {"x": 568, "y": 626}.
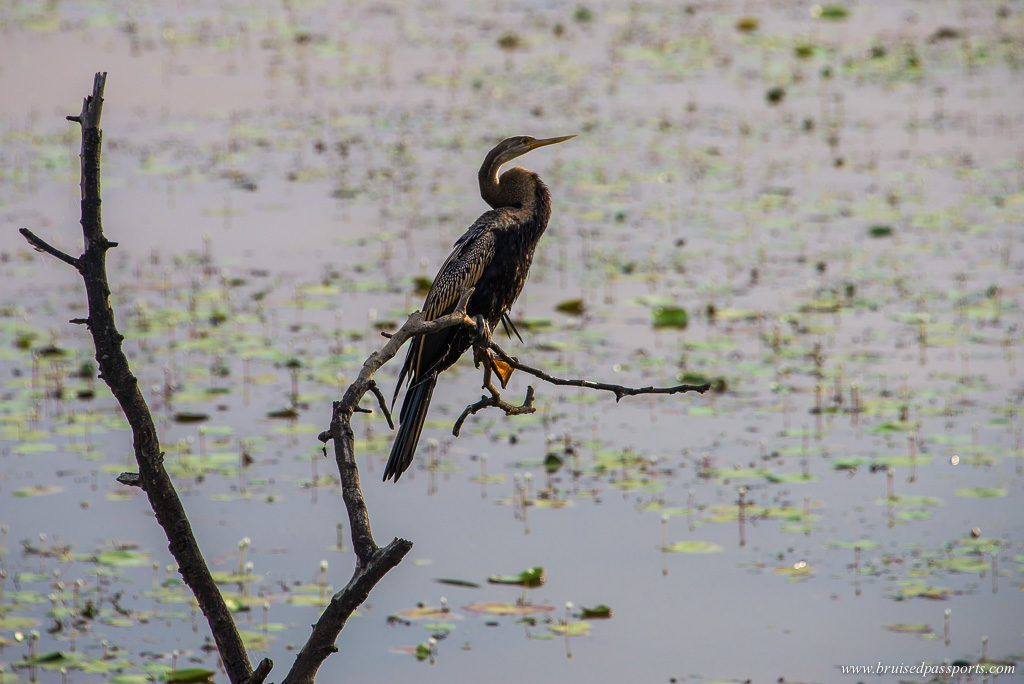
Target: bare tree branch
{"x": 496, "y": 401}
{"x": 116, "y": 372}
{"x": 262, "y": 671}
{"x": 44, "y": 246}
{"x": 414, "y": 325}
{"x": 618, "y": 390}
{"x": 372, "y": 562}
{"x": 320, "y": 644}
{"x": 383, "y": 404}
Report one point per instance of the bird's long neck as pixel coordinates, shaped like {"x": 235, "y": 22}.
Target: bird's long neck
{"x": 522, "y": 192}
{"x": 490, "y": 185}
{"x": 517, "y": 189}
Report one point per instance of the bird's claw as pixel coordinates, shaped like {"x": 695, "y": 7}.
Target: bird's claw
{"x": 483, "y": 331}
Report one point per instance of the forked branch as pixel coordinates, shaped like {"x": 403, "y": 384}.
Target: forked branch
{"x": 619, "y": 391}
{"x": 372, "y": 561}
{"x": 495, "y": 400}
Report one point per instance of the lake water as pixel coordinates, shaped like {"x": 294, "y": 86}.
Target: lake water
{"x": 836, "y": 201}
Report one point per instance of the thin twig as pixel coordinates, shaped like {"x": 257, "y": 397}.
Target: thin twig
{"x": 130, "y": 479}
{"x": 44, "y": 246}
{"x": 496, "y": 401}
{"x": 383, "y": 403}
{"x": 262, "y": 671}
{"x": 618, "y": 390}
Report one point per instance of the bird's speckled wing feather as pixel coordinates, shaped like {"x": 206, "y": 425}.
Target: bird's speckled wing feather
{"x": 470, "y": 256}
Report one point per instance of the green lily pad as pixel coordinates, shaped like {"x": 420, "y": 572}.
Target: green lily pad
{"x": 911, "y": 501}
{"x": 573, "y": 307}
{"x": 439, "y": 627}
{"x": 981, "y": 493}
{"x": 891, "y": 426}
{"x": 670, "y": 317}
{"x": 17, "y": 622}
{"x": 634, "y": 484}
{"x": 799, "y": 570}
{"x": 531, "y": 577}
{"x": 862, "y": 544}
{"x": 788, "y": 477}
{"x": 967, "y": 564}
{"x": 457, "y": 582}
{"x": 851, "y": 463}
{"x": 123, "y": 558}
{"x": 748, "y": 24}
{"x": 830, "y": 12}
{"x": 494, "y": 608}
{"x": 37, "y": 490}
{"x": 188, "y": 675}
{"x": 233, "y": 578}
{"x": 599, "y": 611}
{"x": 692, "y": 547}
{"x": 190, "y": 417}
{"x": 54, "y": 660}
{"x": 578, "y": 628}
{"x": 981, "y": 545}
{"x": 918, "y": 589}
{"x": 902, "y": 628}
{"x": 425, "y": 613}
{"x": 27, "y": 448}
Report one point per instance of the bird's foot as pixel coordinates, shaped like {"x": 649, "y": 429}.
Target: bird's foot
{"x": 483, "y": 332}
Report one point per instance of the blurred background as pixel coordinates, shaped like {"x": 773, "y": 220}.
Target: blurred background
{"x": 815, "y": 207}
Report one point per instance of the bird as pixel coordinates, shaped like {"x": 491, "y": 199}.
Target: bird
{"x": 493, "y": 256}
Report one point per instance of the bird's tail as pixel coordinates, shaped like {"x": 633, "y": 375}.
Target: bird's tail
{"x": 414, "y": 411}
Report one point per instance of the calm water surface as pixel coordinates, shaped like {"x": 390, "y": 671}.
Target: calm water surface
{"x": 277, "y": 176}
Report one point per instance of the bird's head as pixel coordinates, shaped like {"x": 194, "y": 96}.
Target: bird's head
{"x": 516, "y": 146}
{"x": 516, "y": 184}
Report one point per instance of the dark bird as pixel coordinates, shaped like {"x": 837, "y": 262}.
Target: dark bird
{"x": 494, "y": 257}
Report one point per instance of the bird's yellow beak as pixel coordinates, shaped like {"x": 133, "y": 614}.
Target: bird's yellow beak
{"x": 534, "y": 144}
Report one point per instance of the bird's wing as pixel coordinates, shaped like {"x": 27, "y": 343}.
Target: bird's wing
{"x": 463, "y": 268}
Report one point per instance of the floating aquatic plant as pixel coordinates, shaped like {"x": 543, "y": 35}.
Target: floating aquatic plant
{"x": 531, "y": 577}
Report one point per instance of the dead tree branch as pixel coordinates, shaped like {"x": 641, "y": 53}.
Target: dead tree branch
{"x": 495, "y": 400}
{"x": 44, "y": 246}
{"x": 618, "y": 390}
{"x": 372, "y": 561}
{"x": 116, "y": 372}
